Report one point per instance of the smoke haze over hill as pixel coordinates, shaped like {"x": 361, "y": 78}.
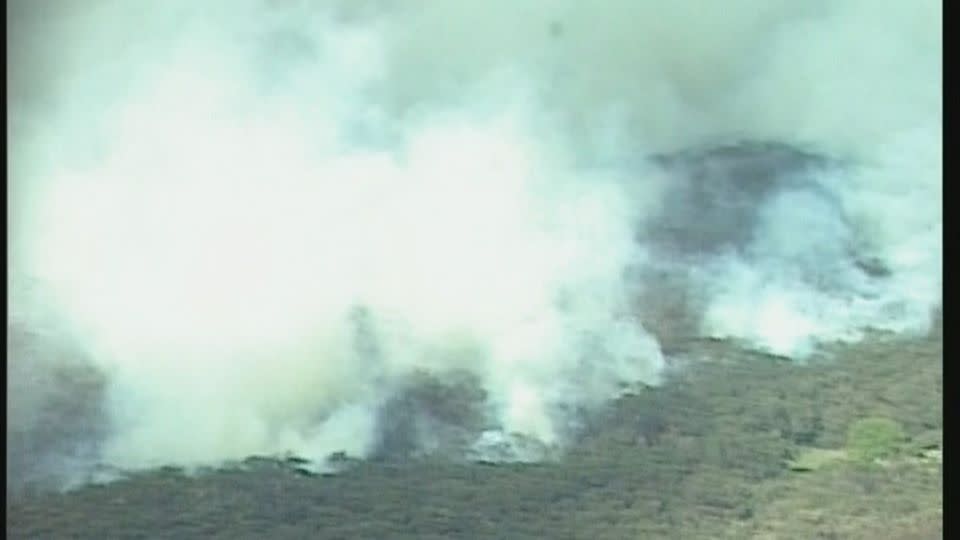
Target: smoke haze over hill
{"x": 241, "y": 227}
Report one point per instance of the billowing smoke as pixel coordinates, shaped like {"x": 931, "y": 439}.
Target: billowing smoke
{"x": 250, "y": 227}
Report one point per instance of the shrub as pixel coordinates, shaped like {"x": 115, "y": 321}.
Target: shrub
{"x": 870, "y": 439}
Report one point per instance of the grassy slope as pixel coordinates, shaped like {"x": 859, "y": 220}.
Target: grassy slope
{"x": 705, "y": 456}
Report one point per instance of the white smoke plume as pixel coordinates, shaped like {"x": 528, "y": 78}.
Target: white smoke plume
{"x": 254, "y": 220}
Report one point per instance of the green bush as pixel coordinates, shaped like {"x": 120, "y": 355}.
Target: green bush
{"x": 870, "y": 439}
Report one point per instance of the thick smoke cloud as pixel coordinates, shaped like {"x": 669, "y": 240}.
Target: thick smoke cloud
{"x": 245, "y": 227}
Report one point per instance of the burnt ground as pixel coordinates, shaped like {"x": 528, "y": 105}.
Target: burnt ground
{"x": 722, "y": 450}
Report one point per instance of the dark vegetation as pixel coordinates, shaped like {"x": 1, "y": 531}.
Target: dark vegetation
{"x": 707, "y": 455}
{"x": 716, "y": 194}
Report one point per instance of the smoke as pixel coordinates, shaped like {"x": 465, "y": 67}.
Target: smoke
{"x": 257, "y": 221}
